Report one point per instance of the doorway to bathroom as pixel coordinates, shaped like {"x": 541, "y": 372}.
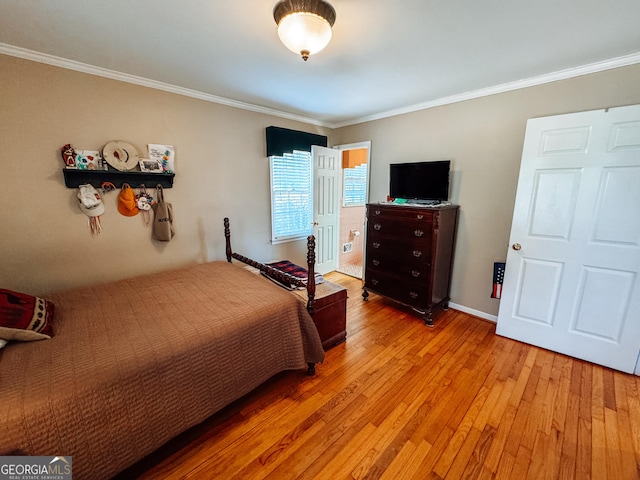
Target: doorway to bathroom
{"x": 354, "y": 196}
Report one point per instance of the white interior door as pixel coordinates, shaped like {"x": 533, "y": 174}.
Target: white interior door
{"x": 326, "y": 217}
{"x": 571, "y": 281}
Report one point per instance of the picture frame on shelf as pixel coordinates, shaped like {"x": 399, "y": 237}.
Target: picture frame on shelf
{"x": 88, "y": 160}
{"x": 150, "y": 166}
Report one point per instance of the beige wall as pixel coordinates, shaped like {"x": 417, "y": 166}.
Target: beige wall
{"x": 45, "y": 244}
{"x": 483, "y": 138}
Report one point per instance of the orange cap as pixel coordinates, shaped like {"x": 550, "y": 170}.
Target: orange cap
{"x": 127, "y": 201}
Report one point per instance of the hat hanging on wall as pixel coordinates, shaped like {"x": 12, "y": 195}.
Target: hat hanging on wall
{"x": 127, "y": 204}
{"x": 121, "y": 155}
{"x": 91, "y": 205}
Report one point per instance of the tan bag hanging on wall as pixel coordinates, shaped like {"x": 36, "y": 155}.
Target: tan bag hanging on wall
{"x": 162, "y": 218}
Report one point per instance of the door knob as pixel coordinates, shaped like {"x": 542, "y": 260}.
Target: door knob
{"x": 516, "y": 246}
{"x": 315, "y": 224}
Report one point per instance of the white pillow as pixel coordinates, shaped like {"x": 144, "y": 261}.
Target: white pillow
{"x": 3, "y": 342}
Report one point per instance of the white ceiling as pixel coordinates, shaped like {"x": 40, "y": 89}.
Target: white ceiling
{"x": 386, "y": 56}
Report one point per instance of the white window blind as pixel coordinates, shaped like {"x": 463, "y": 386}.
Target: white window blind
{"x": 355, "y": 186}
{"x": 291, "y": 196}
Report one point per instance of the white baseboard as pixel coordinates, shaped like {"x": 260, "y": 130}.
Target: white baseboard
{"x": 475, "y": 313}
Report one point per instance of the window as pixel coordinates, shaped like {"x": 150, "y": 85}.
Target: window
{"x": 291, "y": 196}
{"x": 355, "y": 186}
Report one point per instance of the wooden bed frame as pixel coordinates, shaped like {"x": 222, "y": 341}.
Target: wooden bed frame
{"x": 279, "y": 275}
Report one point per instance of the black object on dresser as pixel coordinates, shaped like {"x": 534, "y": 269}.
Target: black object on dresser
{"x": 409, "y": 255}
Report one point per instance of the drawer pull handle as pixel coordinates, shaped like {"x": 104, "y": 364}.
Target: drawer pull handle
{"x": 415, "y": 273}
{"x": 420, "y": 217}
{"x": 377, "y": 226}
{"x": 378, "y": 212}
{"x": 417, "y": 253}
{"x": 413, "y": 294}
{"x": 418, "y": 233}
{"x": 374, "y": 281}
{"x": 375, "y": 262}
{"x": 375, "y": 245}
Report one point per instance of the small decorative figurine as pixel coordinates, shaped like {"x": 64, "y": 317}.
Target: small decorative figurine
{"x": 69, "y": 156}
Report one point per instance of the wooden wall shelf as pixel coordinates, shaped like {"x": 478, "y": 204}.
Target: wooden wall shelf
{"x": 74, "y": 178}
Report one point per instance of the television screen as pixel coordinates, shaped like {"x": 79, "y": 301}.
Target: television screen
{"x": 425, "y": 181}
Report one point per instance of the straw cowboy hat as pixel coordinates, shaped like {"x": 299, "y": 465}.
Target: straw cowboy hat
{"x": 121, "y": 155}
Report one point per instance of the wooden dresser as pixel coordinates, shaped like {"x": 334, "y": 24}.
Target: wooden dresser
{"x": 409, "y": 255}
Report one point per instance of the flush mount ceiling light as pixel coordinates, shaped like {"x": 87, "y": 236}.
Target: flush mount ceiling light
{"x": 304, "y": 26}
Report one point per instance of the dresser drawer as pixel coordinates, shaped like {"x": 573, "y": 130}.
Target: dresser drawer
{"x": 399, "y": 229}
{"x": 410, "y": 270}
{"x": 396, "y": 212}
{"x": 417, "y": 252}
{"x": 407, "y": 292}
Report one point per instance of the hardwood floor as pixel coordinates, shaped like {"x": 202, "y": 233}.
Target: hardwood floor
{"x": 399, "y": 400}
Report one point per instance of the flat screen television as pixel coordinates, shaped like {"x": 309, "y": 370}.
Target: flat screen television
{"x": 420, "y": 181}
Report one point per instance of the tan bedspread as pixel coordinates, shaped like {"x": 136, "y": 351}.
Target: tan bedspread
{"x": 135, "y": 362}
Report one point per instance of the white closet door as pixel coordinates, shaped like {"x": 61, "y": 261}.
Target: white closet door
{"x": 572, "y": 281}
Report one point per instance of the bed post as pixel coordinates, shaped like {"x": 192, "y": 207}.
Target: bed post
{"x": 311, "y": 286}
{"x": 227, "y": 237}
{"x": 282, "y": 276}
{"x": 311, "y": 275}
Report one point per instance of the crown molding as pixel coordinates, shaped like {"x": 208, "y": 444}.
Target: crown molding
{"x": 612, "y": 63}
{"x": 609, "y": 64}
{"x": 145, "y": 82}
